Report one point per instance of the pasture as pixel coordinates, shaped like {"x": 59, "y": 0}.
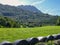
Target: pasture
{"x": 12, "y": 34}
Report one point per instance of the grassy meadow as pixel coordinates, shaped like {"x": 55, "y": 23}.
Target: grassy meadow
{"x": 12, "y": 34}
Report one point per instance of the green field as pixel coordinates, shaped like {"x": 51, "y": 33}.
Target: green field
{"x": 12, "y": 34}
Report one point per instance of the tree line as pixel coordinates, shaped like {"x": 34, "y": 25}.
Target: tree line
{"x": 6, "y": 22}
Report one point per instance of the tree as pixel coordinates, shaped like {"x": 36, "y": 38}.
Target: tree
{"x": 8, "y": 23}
{"x": 58, "y": 21}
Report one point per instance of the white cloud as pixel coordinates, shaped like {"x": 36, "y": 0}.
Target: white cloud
{"x": 11, "y": 2}
{"x": 52, "y": 11}
{"x": 46, "y": 11}
{"x": 38, "y": 2}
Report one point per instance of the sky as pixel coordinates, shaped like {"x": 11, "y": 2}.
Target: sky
{"x": 46, "y": 6}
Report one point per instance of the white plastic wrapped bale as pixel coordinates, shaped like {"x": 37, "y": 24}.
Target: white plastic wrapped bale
{"x": 21, "y": 42}
{"x": 42, "y": 39}
{"x": 6, "y": 43}
{"x": 39, "y": 38}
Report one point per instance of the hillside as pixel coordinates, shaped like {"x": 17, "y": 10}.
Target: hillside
{"x": 6, "y": 22}
{"x": 26, "y": 17}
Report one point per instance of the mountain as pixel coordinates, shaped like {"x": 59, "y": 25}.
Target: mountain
{"x": 30, "y": 16}
{"x": 29, "y": 8}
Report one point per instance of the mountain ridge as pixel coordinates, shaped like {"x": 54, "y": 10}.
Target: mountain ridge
{"x": 29, "y": 8}
{"x": 26, "y": 17}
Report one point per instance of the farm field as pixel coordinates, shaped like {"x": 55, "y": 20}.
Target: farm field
{"x": 12, "y": 34}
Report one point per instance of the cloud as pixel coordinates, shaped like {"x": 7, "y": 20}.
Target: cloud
{"x": 38, "y": 2}
{"x": 47, "y": 10}
{"x": 52, "y": 11}
{"x": 11, "y": 2}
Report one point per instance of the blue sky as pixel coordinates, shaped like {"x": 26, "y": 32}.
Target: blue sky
{"x": 46, "y": 6}
{"x": 50, "y": 6}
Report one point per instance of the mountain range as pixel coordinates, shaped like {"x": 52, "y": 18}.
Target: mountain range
{"x": 26, "y": 14}
{"x": 29, "y": 8}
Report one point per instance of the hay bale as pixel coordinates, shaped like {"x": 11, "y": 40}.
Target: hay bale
{"x": 21, "y": 42}
{"x": 57, "y": 37}
{"x": 44, "y": 39}
{"x": 50, "y": 38}
{"x": 6, "y": 43}
{"x": 32, "y": 41}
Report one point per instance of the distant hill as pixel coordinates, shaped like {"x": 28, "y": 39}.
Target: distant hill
{"x": 27, "y": 15}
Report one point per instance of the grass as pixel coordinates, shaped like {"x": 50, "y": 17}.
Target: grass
{"x": 12, "y": 34}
